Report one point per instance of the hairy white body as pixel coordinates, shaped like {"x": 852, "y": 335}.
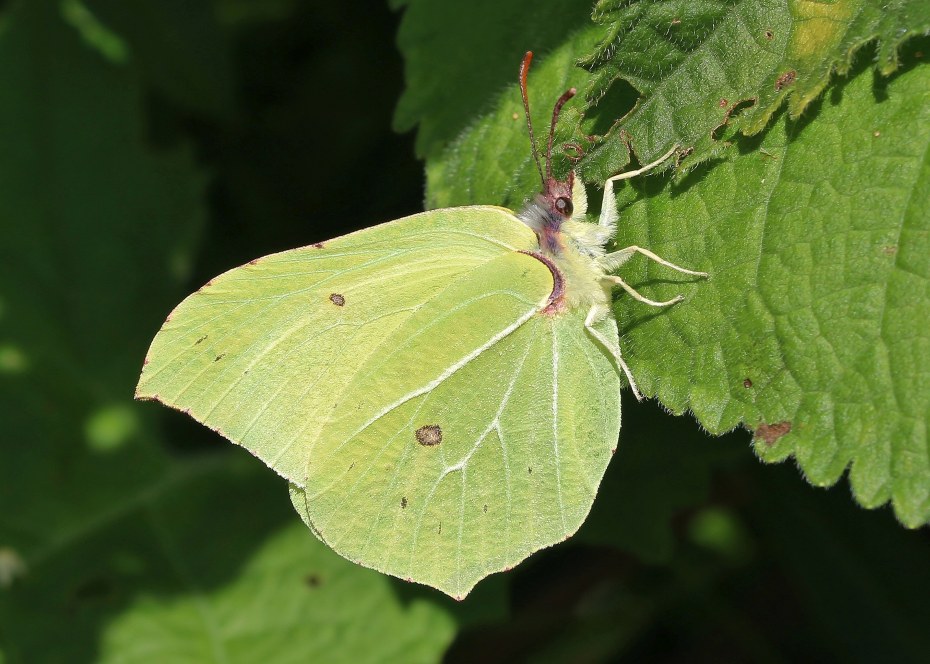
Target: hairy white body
{"x": 579, "y": 250}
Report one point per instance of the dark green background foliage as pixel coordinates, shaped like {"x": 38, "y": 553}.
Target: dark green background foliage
{"x": 147, "y": 146}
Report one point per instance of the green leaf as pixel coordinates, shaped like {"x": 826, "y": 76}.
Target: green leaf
{"x": 700, "y": 66}
{"x": 813, "y": 327}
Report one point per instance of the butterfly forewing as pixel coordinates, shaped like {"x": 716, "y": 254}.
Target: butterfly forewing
{"x": 262, "y": 353}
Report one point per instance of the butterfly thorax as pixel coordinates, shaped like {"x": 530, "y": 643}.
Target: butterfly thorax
{"x": 573, "y": 247}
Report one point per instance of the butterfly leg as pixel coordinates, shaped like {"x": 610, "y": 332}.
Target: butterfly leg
{"x": 638, "y": 296}
{"x": 615, "y": 259}
{"x": 609, "y": 214}
{"x": 596, "y": 313}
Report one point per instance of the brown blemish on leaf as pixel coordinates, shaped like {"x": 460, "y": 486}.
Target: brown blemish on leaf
{"x": 337, "y": 299}
{"x": 429, "y": 435}
{"x": 676, "y": 21}
{"x": 724, "y": 102}
{"x": 254, "y": 261}
{"x": 770, "y": 433}
{"x": 786, "y": 79}
{"x": 318, "y": 245}
{"x": 890, "y": 250}
{"x": 529, "y": 471}
{"x": 769, "y": 34}
{"x": 403, "y": 502}
{"x": 485, "y": 509}
{"x": 732, "y": 112}
{"x": 747, "y": 383}
{"x": 313, "y": 580}
{"x": 219, "y": 357}
{"x": 439, "y": 532}
{"x": 201, "y": 339}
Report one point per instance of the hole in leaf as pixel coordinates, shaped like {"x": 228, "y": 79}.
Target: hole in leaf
{"x": 619, "y": 100}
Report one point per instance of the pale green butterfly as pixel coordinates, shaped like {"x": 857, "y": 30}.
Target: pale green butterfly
{"x": 442, "y": 391}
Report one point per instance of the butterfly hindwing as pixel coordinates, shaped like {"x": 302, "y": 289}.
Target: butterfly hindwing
{"x": 527, "y": 431}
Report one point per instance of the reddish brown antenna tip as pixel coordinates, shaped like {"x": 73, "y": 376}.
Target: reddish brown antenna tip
{"x": 524, "y": 70}
{"x": 568, "y": 94}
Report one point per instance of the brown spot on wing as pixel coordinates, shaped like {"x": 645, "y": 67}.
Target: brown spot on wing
{"x": 429, "y": 435}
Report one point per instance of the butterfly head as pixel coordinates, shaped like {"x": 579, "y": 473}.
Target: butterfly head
{"x": 553, "y": 205}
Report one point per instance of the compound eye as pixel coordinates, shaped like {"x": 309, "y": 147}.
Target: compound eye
{"x": 564, "y": 205}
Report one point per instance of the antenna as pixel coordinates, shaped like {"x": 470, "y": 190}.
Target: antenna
{"x": 524, "y": 69}
{"x": 568, "y": 94}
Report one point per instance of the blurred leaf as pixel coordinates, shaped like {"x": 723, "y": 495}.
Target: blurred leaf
{"x": 662, "y": 467}
{"x": 97, "y": 233}
{"x": 210, "y": 566}
{"x": 859, "y": 578}
{"x": 459, "y": 55}
{"x": 695, "y": 63}
{"x": 127, "y": 553}
{"x": 245, "y": 12}
{"x": 177, "y": 45}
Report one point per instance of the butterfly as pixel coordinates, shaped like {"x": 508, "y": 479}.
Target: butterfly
{"x": 441, "y": 392}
